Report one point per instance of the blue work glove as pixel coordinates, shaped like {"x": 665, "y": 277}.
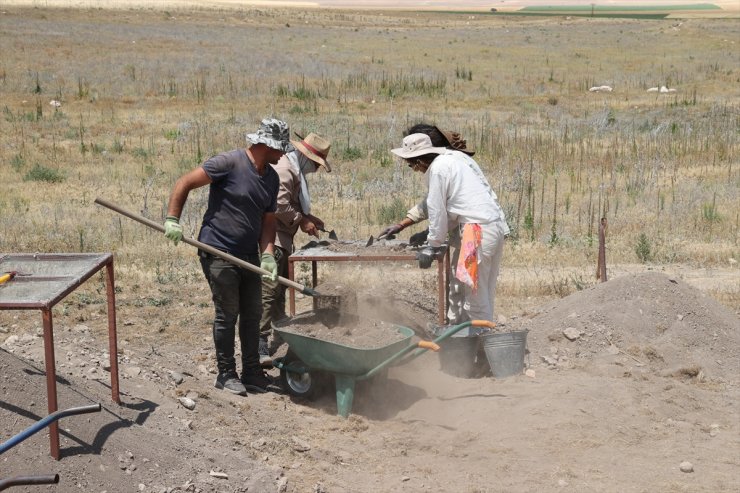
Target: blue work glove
{"x": 429, "y": 254}
{"x": 172, "y": 229}
{"x": 391, "y": 231}
{"x": 268, "y": 263}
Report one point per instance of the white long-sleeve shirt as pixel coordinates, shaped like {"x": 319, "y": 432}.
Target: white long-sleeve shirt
{"x": 458, "y": 194}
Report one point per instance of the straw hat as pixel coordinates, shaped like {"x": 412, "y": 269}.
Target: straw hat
{"x": 314, "y": 147}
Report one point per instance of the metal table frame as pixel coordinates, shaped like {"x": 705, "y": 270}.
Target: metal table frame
{"x": 443, "y": 267}
{"x": 103, "y": 260}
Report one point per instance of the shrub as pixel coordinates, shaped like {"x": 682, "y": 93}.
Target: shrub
{"x": 42, "y": 173}
{"x": 643, "y": 248}
{"x": 392, "y": 212}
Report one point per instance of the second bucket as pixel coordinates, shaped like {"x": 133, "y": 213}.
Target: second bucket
{"x": 505, "y": 352}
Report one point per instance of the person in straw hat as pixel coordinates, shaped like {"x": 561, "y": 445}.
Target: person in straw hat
{"x": 239, "y": 220}
{"x": 293, "y": 212}
{"x": 462, "y": 209}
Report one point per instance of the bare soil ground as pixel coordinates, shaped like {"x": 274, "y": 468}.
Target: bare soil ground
{"x": 650, "y": 379}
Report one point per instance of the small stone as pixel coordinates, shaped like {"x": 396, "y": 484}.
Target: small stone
{"x": 550, "y": 361}
{"x": 571, "y": 333}
{"x": 300, "y": 445}
{"x": 562, "y": 482}
{"x": 530, "y": 373}
{"x": 176, "y": 377}
{"x": 405, "y": 478}
{"x": 258, "y": 444}
{"x": 142, "y": 486}
{"x": 679, "y": 317}
{"x": 187, "y": 403}
{"x": 219, "y": 475}
{"x": 282, "y": 484}
{"x": 686, "y": 466}
{"x": 713, "y": 430}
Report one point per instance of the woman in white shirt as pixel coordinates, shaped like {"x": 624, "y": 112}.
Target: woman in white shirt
{"x": 460, "y": 202}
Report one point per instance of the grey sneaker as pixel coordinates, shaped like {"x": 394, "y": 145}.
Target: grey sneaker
{"x": 256, "y": 380}
{"x": 230, "y": 382}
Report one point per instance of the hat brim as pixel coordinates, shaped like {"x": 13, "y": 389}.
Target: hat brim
{"x": 400, "y": 152}
{"x": 310, "y": 155}
{"x": 272, "y": 143}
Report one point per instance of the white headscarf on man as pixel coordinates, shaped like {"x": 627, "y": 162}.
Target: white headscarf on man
{"x": 303, "y": 166}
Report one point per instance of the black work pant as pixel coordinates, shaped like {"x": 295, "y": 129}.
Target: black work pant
{"x": 237, "y": 295}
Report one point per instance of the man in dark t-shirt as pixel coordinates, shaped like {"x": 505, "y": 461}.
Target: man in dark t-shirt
{"x": 240, "y": 220}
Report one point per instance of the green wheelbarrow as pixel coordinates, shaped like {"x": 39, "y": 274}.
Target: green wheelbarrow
{"x": 310, "y": 362}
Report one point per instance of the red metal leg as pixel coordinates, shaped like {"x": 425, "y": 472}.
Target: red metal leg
{"x": 110, "y": 289}
{"x": 51, "y": 380}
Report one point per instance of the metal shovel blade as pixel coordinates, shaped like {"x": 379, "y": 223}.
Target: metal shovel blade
{"x": 332, "y": 234}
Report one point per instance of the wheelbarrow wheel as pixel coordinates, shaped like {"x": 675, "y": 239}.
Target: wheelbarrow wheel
{"x": 306, "y": 384}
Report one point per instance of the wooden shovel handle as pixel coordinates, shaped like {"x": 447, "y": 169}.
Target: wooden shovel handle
{"x": 206, "y": 248}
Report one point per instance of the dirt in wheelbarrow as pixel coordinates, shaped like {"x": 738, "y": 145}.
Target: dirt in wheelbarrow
{"x": 346, "y": 329}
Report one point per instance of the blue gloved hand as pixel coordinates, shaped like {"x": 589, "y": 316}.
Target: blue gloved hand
{"x": 268, "y": 263}
{"x": 172, "y": 229}
{"x": 429, "y": 254}
{"x": 391, "y": 231}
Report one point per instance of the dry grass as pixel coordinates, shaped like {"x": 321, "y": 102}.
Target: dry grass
{"x": 147, "y": 95}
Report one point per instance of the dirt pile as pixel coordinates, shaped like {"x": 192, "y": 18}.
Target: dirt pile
{"x": 656, "y": 320}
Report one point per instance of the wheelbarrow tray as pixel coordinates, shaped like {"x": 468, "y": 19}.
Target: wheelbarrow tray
{"x": 319, "y": 354}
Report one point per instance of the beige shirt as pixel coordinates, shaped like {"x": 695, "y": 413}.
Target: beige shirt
{"x": 289, "y": 213}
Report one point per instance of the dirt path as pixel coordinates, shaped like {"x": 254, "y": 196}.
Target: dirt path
{"x": 650, "y": 382}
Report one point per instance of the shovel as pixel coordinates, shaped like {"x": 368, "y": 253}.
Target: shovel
{"x": 332, "y": 234}
{"x": 208, "y": 248}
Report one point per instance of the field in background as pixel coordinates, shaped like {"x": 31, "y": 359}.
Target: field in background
{"x": 145, "y": 95}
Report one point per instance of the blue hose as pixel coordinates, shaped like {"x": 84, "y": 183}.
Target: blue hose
{"x": 40, "y": 425}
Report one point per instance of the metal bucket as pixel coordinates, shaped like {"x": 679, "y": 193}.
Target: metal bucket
{"x": 505, "y": 352}
{"x": 458, "y": 356}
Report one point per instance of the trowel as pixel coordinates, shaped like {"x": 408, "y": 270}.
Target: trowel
{"x": 332, "y": 234}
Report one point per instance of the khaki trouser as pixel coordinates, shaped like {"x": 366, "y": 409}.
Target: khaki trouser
{"x": 464, "y": 304}
{"x": 273, "y": 295}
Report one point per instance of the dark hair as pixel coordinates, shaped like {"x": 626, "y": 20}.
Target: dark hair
{"x": 437, "y": 138}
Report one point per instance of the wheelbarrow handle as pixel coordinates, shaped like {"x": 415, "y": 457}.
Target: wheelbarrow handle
{"x": 28, "y": 480}
{"x": 207, "y": 248}
{"x": 424, "y": 346}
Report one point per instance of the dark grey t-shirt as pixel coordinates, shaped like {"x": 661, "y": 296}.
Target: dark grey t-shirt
{"x": 237, "y": 200}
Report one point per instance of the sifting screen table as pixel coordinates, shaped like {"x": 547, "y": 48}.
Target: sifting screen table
{"x": 357, "y": 252}
{"x": 44, "y": 279}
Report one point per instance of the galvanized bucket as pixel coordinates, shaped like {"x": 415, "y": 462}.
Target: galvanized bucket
{"x": 505, "y": 352}
{"x": 459, "y": 356}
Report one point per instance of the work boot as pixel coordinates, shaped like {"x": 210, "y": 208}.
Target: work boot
{"x": 275, "y": 342}
{"x": 256, "y": 380}
{"x": 229, "y": 381}
{"x": 264, "y": 352}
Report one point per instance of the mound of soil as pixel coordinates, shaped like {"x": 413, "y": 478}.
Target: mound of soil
{"x": 655, "y": 319}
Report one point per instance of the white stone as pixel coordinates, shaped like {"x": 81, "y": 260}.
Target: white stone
{"x": 686, "y": 466}
{"x": 571, "y": 333}
{"x": 187, "y": 403}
